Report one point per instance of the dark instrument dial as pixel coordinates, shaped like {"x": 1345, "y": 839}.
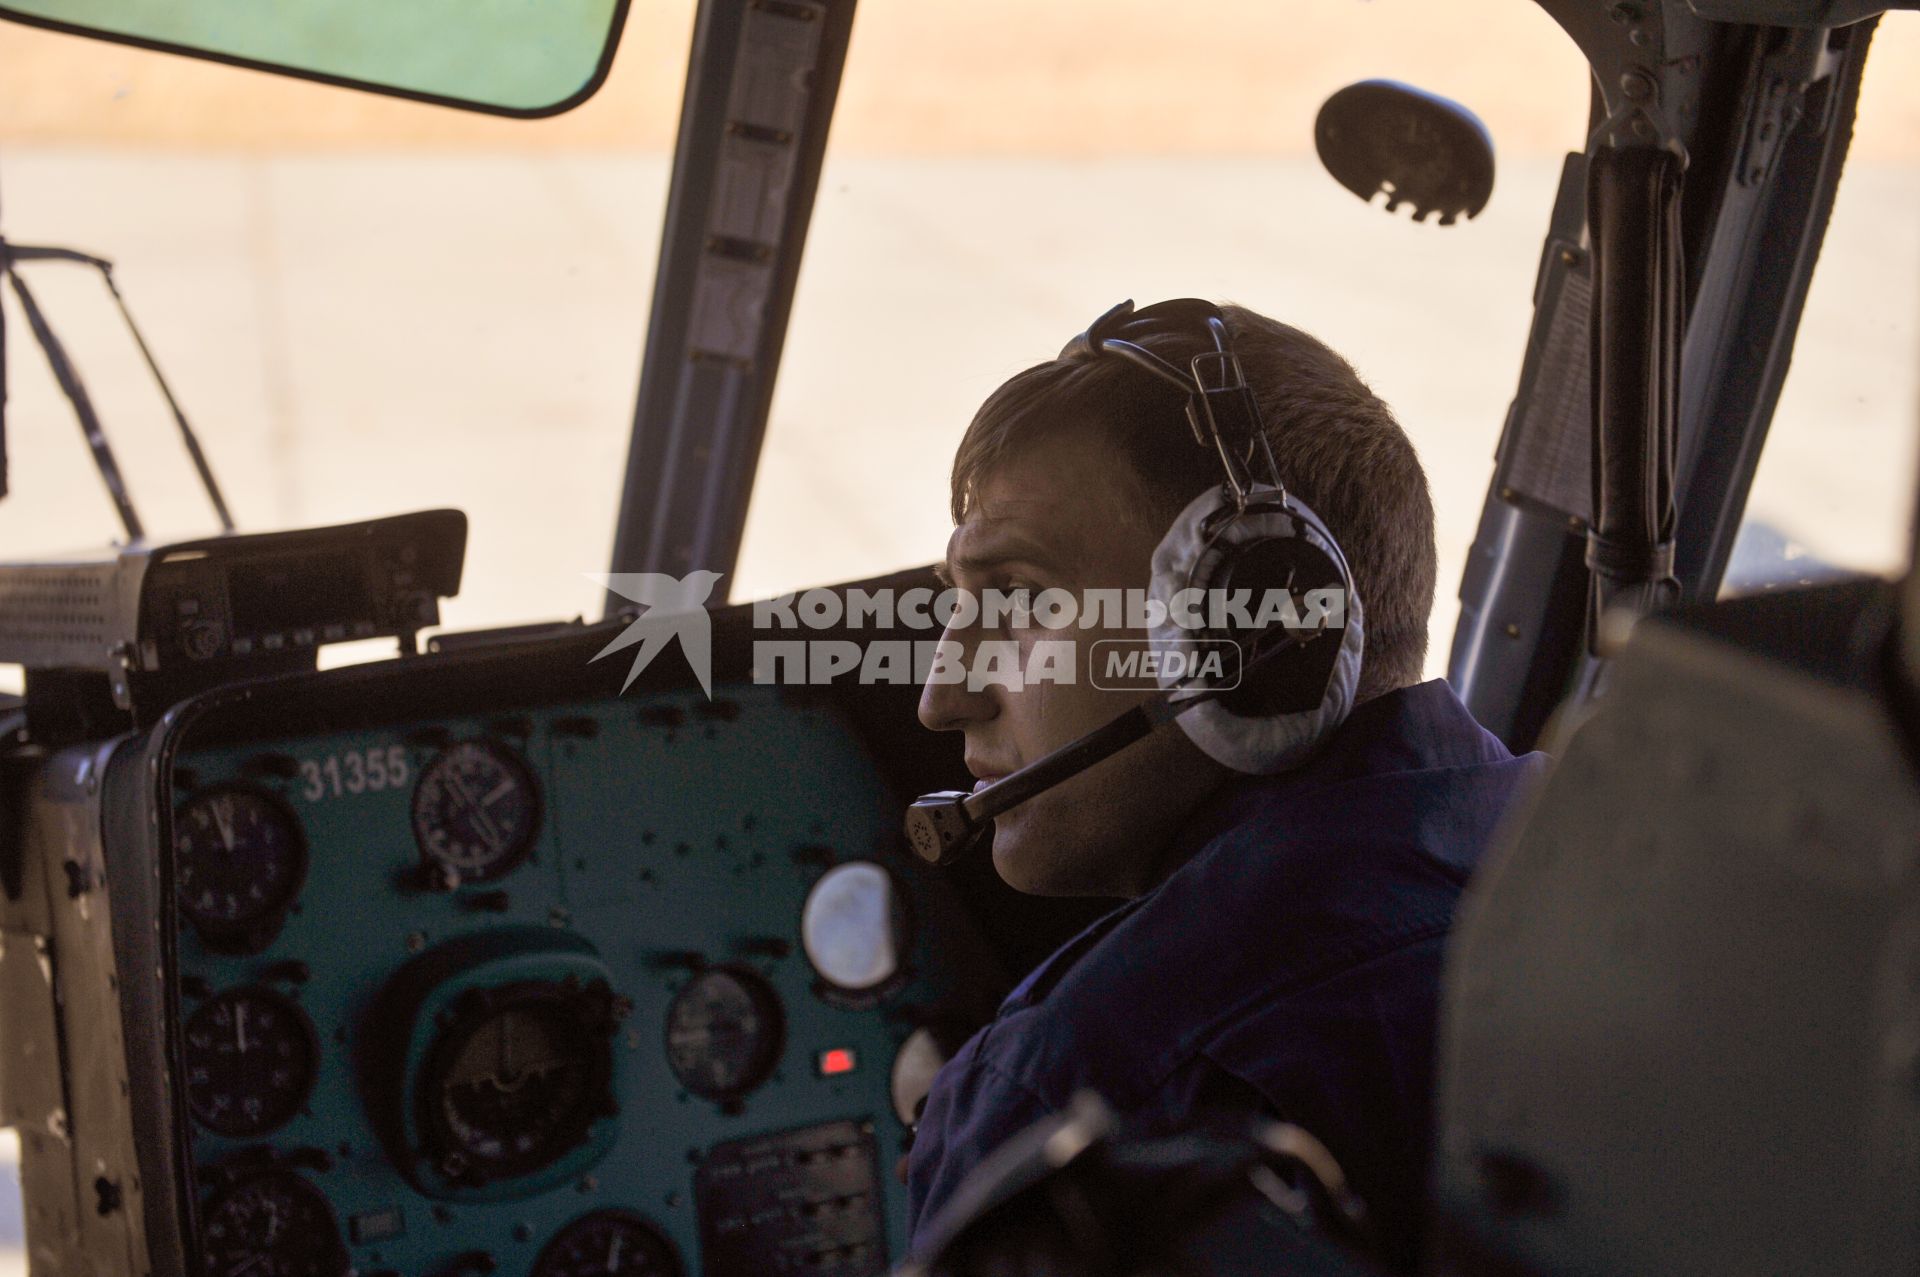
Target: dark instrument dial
{"x": 517, "y": 1080}
{"x": 725, "y": 1031}
{"x": 476, "y": 811}
{"x": 608, "y": 1242}
{"x": 251, "y": 1057}
{"x": 271, "y": 1225}
{"x": 239, "y": 857}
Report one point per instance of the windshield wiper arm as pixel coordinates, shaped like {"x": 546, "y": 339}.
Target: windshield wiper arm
{"x": 67, "y": 374}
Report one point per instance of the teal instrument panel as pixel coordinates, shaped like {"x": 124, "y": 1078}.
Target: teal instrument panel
{"x": 645, "y": 985}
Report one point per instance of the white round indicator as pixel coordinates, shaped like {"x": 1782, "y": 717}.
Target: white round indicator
{"x": 849, "y": 928}
{"x": 920, "y": 1057}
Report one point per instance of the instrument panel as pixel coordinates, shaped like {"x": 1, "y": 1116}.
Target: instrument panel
{"x": 637, "y": 985}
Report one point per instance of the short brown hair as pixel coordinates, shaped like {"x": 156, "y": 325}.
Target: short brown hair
{"x": 1338, "y": 447}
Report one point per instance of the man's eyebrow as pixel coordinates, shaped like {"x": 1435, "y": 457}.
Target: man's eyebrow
{"x": 992, "y": 550}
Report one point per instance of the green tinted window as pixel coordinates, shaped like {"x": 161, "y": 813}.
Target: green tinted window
{"x": 519, "y": 56}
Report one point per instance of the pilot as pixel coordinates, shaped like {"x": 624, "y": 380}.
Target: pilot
{"x": 1280, "y": 943}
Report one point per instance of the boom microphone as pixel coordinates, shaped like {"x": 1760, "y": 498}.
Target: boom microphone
{"x": 942, "y": 826}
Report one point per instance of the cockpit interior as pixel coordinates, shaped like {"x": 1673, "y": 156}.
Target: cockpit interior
{"x": 387, "y": 889}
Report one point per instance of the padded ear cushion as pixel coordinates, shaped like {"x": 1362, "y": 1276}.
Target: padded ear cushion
{"x": 1286, "y": 708}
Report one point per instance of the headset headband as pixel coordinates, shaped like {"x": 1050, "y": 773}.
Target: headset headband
{"x": 1221, "y": 410}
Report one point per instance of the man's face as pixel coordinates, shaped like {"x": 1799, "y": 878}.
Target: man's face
{"x": 1064, "y": 514}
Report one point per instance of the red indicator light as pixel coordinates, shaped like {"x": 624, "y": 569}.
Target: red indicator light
{"x": 837, "y": 1061}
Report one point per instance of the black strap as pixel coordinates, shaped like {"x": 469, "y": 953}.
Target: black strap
{"x": 1629, "y": 560}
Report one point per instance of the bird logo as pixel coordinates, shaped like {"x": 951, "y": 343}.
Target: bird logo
{"x": 673, "y": 608}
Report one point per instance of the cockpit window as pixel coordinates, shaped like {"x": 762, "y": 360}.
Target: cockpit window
{"x": 499, "y": 56}
{"x": 978, "y": 212}
{"x": 366, "y": 305}
{"x": 369, "y": 305}
{"x": 1834, "y": 490}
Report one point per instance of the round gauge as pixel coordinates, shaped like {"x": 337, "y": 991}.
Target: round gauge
{"x": 476, "y": 810}
{"x": 851, "y": 927}
{"x": 239, "y": 857}
{"x": 251, "y": 1057}
{"x": 608, "y": 1242}
{"x": 516, "y": 1080}
{"x": 274, "y": 1224}
{"x": 724, "y": 1033}
{"x": 914, "y": 1065}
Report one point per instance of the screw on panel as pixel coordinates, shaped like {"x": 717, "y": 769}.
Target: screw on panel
{"x": 416, "y": 941}
{"x": 1637, "y": 85}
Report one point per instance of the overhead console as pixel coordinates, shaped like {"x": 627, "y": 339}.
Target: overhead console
{"x": 473, "y": 963}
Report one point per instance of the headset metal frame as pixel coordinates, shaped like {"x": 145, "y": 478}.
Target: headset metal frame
{"x": 1219, "y": 401}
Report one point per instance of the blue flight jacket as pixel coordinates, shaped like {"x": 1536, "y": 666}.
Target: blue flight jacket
{"x": 1290, "y": 966}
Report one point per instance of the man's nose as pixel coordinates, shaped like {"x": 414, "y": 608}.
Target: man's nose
{"x": 945, "y": 703}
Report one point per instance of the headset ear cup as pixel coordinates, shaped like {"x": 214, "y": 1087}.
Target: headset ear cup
{"x": 1299, "y": 578}
{"x": 1281, "y": 714}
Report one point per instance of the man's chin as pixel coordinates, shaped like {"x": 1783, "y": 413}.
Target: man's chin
{"x": 1024, "y": 863}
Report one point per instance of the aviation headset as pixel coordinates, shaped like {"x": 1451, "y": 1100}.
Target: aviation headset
{"x": 1295, "y": 680}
